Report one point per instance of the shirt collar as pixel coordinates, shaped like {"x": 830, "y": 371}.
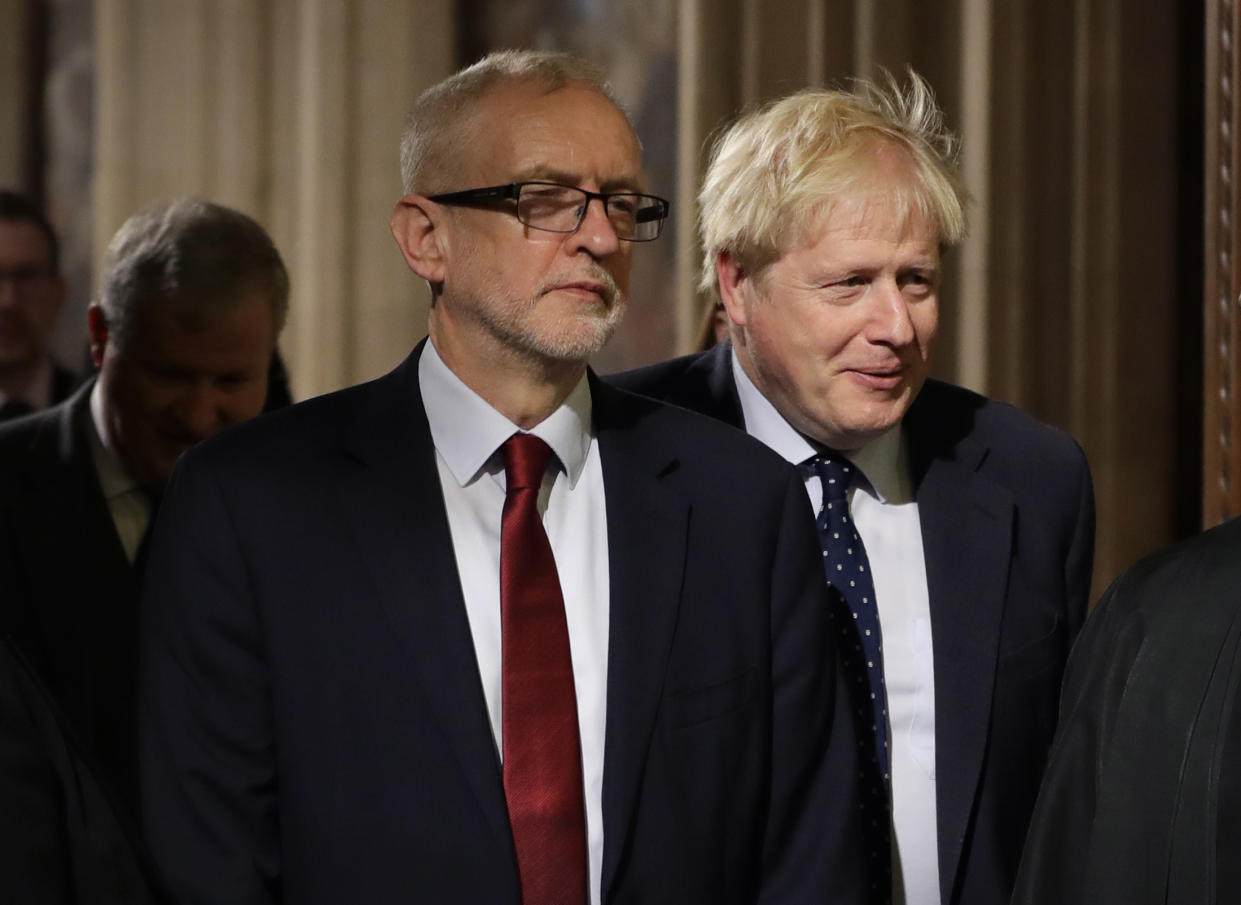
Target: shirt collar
{"x": 883, "y": 461}
{"x": 113, "y": 479}
{"x": 467, "y": 431}
{"x": 764, "y": 423}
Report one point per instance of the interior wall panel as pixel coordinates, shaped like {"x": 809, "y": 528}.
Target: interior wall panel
{"x": 290, "y": 110}
{"x": 1066, "y": 300}
{"x": 1221, "y": 423}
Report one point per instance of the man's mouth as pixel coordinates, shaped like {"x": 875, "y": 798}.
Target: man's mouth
{"x": 886, "y": 377}
{"x": 590, "y": 290}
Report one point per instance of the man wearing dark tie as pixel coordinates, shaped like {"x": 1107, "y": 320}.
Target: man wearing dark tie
{"x": 957, "y": 533}
{"x": 192, "y": 297}
{"x": 31, "y": 296}
{"x": 485, "y": 629}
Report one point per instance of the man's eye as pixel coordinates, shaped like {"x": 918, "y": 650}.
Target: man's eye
{"x": 918, "y": 279}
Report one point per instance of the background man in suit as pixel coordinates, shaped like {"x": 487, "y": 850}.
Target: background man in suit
{"x": 823, "y": 217}
{"x": 1141, "y": 802}
{"x": 31, "y": 295}
{"x": 192, "y": 297}
{"x": 485, "y": 629}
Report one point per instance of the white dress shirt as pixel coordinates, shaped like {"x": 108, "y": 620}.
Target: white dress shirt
{"x": 467, "y": 433}
{"x": 128, "y": 503}
{"x": 886, "y": 516}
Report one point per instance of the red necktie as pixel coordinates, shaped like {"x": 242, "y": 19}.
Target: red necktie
{"x": 542, "y": 753}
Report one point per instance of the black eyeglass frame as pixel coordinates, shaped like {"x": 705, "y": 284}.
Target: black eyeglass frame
{"x": 512, "y": 192}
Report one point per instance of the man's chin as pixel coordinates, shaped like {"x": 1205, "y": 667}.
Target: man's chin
{"x": 577, "y": 338}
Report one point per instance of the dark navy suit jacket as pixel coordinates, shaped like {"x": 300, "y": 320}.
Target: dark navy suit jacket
{"x": 68, "y": 593}
{"x": 1141, "y": 804}
{"x": 1007, "y": 512}
{"x": 314, "y": 727}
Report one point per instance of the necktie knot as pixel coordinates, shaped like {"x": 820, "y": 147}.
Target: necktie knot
{"x": 525, "y": 460}
{"x": 836, "y": 473}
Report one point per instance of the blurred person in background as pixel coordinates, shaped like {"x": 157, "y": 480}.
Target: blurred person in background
{"x": 31, "y": 296}
{"x": 192, "y": 298}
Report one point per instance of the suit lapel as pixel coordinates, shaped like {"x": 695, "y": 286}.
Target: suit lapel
{"x": 395, "y": 509}
{"x": 647, "y": 531}
{"x": 967, "y": 542}
{"x": 65, "y": 518}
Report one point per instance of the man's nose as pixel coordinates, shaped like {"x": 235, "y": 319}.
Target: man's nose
{"x": 200, "y": 411}
{"x": 596, "y": 233}
{"x": 891, "y": 322}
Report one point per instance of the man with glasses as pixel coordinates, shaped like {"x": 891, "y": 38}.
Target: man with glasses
{"x": 31, "y": 296}
{"x": 486, "y": 630}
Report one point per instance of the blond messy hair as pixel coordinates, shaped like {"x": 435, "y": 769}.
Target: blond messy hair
{"x": 775, "y": 172}
{"x": 436, "y": 127}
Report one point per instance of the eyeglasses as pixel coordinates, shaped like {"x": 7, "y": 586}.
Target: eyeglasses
{"x": 561, "y": 208}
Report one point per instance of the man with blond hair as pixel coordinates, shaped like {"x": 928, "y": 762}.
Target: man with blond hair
{"x": 956, "y": 533}
{"x": 485, "y": 629}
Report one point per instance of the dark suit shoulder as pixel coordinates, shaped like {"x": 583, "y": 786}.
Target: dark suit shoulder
{"x": 948, "y": 421}
{"x": 1203, "y": 571}
{"x": 704, "y": 441}
{"x": 40, "y": 447}
{"x": 651, "y": 380}
{"x": 702, "y": 383}
{"x": 22, "y": 437}
{"x": 296, "y": 433}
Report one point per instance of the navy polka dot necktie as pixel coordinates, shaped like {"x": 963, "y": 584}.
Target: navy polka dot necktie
{"x": 855, "y": 619}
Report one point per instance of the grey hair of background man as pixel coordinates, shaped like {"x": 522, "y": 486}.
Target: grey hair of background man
{"x": 774, "y": 173}
{"x": 437, "y": 127}
{"x": 193, "y": 254}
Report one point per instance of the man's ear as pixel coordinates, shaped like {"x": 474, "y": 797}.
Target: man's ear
{"x": 97, "y": 331}
{"x": 735, "y": 284}
{"x": 418, "y": 229}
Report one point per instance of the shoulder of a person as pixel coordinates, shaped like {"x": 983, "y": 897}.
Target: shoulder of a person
{"x": 651, "y": 379}
{"x": 1204, "y": 565}
{"x": 30, "y": 434}
{"x": 292, "y": 433}
{"x": 707, "y": 443}
{"x": 959, "y": 413}
{"x": 1144, "y": 609}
